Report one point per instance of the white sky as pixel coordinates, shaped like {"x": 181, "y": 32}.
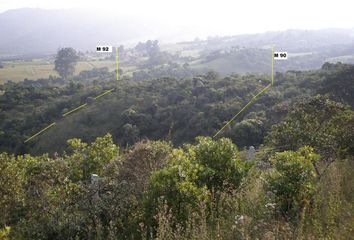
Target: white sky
{"x": 218, "y": 17}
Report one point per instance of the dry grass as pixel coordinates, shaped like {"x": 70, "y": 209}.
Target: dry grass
{"x": 19, "y": 70}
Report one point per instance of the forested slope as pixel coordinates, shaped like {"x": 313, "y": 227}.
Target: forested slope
{"x": 142, "y": 164}
{"x": 167, "y": 108}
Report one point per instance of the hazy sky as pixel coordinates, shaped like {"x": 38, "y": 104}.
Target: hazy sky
{"x": 217, "y": 17}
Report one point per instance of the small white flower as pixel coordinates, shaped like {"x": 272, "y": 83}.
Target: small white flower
{"x": 239, "y": 219}
{"x": 270, "y": 205}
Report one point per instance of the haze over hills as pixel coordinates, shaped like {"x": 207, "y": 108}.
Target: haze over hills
{"x": 29, "y": 30}
{"x": 200, "y": 129}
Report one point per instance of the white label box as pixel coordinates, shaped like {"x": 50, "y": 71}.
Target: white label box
{"x": 104, "y": 48}
{"x": 280, "y": 55}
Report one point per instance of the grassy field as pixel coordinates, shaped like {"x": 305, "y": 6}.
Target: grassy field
{"x": 19, "y": 70}
{"x": 186, "y": 50}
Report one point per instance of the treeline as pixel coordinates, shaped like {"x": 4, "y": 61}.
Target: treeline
{"x": 171, "y": 69}
{"x": 166, "y": 108}
{"x": 27, "y": 106}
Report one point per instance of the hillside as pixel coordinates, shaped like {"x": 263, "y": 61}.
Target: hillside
{"x": 142, "y": 148}
{"x": 160, "y": 174}
{"x": 165, "y": 138}
{"x": 140, "y": 161}
{"x": 166, "y": 108}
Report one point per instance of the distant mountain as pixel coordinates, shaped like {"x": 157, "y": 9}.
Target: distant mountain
{"x": 307, "y": 49}
{"x": 28, "y": 30}
{"x": 295, "y": 40}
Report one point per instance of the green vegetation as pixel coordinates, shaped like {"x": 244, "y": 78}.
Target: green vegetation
{"x": 138, "y": 163}
{"x": 204, "y": 139}
{"x": 293, "y": 180}
{"x": 174, "y": 109}
{"x": 65, "y": 62}
{"x": 152, "y": 190}
{"x": 17, "y": 71}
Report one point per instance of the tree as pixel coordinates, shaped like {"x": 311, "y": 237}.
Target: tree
{"x": 293, "y": 181}
{"x": 121, "y": 51}
{"x": 11, "y": 192}
{"x": 152, "y": 47}
{"x": 221, "y": 163}
{"x": 212, "y": 75}
{"x": 195, "y": 173}
{"x": 87, "y": 159}
{"x": 176, "y": 184}
{"x": 143, "y": 159}
{"x": 318, "y": 122}
{"x": 65, "y": 62}
{"x": 338, "y": 82}
{"x": 249, "y": 132}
